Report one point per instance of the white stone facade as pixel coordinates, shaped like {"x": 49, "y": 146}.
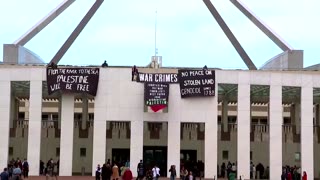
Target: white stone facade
{"x": 120, "y": 99}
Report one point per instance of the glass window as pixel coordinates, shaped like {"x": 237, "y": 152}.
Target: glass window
{"x": 83, "y": 152}
{"x": 297, "y": 156}
{"x": 57, "y": 152}
{"x": 225, "y": 155}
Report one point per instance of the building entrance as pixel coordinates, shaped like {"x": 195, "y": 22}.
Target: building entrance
{"x": 188, "y": 158}
{"x": 155, "y": 155}
{"x": 120, "y": 156}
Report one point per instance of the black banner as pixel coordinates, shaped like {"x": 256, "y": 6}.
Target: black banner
{"x": 196, "y": 83}
{"x": 158, "y": 78}
{"x": 77, "y": 80}
{"x": 156, "y": 94}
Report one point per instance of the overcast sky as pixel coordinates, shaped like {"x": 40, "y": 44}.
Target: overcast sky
{"x": 122, "y": 31}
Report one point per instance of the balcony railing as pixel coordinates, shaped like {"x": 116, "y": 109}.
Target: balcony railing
{"x": 22, "y": 123}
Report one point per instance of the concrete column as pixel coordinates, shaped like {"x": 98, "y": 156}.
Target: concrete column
{"x": 211, "y": 150}
{"x": 297, "y": 119}
{"x": 275, "y": 131}
{"x": 59, "y": 113}
{"x": 136, "y": 145}
{"x": 99, "y": 144}
{"x": 66, "y": 139}
{"x": 307, "y": 155}
{"x": 34, "y": 136}
{"x": 84, "y": 112}
{"x": 174, "y": 145}
{"x": 211, "y": 139}
{"x": 5, "y": 98}
{"x": 99, "y": 127}
{"x": 243, "y": 136}
{"x": 225, "y": 114}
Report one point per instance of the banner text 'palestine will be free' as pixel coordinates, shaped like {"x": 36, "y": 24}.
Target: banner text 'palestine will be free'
{"x": 76, "y": 80}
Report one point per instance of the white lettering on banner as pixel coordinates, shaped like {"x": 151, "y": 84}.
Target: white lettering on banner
{"x": 196, "y": 73}
{"x": 159, "y": 78}
{"x": 55, "y": 87}
{"x": 53, "y": 71}
{"x": 207, "y": 81}
{"x": 190, "y": 91}
{"x": 81, "y": 87}
{"x": 192, "y": 82}
{"x": 196, "y": 83}
{"x": 69, "y": 86}
{"x": 72, "y": 79}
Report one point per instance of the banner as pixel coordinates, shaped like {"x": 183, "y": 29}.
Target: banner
{"x": 196, "y": 83}
{"x": 76, "y": 80}
{"x": 158, "y": 78}
{"x": 156, "y": 95}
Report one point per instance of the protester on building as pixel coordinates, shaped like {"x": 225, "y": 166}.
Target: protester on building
{"x": 134, "y": 73}
{"x": 127, "y": 175}
{"x": 304, "y": 176}
{"x": 155, "y": 172}
{"x": 98, "y": 172}
{"x": 105, "y": 64}
{"x": 140, "y": 170}
{"x": 5, "y": 174}
{"x": 173, "y": 172}
{"x": 115, "y": 172}
{"x": 25, "y": 168}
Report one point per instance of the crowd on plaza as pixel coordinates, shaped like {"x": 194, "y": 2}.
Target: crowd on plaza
{"x": 15, "y": 170}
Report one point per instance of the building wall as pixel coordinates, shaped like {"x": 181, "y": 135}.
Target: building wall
{"x": 119, "y": 99}
{"x": 260, "y": 149}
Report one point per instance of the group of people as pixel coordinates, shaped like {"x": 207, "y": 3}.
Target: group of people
{"x": 51, "y": 168}
{"x": 151, "y": 173}
{"x": 193, "y": 168}
{"x": 18, "y": 169}
{"x": 113, "y": 172}
{"x": 15, "y": 170}
{"x": 293, "y": 173}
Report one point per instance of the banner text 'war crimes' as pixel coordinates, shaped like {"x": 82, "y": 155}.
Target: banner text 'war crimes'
{"x": 78, "y": 80}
